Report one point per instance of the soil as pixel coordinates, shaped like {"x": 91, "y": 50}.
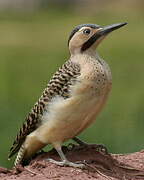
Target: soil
{"x": 99, "y": 165}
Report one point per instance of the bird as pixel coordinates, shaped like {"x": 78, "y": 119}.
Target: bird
{"x": 71, "y": 101}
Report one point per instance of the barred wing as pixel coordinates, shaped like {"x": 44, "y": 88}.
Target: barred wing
{"x": 58, "y": 85}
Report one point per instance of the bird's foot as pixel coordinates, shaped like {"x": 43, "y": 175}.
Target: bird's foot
{"x": 66, "y": 163}
{"x": 98, "y": 147}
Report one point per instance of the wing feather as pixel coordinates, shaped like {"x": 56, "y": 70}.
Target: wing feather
{"x": 58, "y": 85}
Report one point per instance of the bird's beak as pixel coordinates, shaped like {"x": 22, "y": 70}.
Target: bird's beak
{"x": 100, "y": 34}
{"x": 107, "y": 29}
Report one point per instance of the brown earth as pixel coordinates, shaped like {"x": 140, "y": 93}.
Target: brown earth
{"x": 99, "y": 165}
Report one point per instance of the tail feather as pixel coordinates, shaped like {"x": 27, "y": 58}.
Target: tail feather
{"x": 14, "y": 149}
{"x": 20, "y": 156}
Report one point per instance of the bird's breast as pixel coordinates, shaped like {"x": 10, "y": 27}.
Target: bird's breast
{"x": 95, "y": 79}
{"x": 66, "y": 118}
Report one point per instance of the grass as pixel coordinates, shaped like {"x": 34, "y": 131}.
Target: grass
{"x": 33, "y": 45}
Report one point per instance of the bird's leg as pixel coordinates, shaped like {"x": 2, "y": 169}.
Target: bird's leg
{"x": 98, "y": 147}
{"x": 64, "y": 161}
{"x": 80, "y": 142}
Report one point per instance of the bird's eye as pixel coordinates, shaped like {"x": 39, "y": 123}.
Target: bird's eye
{"x": 86, "y": 31}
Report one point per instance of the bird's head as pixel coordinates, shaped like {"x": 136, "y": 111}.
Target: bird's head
{"x": 88, "y": 36}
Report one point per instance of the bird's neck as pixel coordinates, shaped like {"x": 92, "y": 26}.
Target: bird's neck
{"x": 88, "y": 55}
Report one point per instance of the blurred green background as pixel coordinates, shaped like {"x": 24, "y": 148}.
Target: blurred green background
{"x": 33, "y": 44}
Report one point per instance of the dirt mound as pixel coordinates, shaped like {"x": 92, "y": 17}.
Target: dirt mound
{"x": 99, "y": 165}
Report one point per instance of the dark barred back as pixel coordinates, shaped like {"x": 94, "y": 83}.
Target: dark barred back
{"x": 58, "y": 85}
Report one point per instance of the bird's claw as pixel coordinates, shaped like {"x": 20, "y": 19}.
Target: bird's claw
{"x": 98, "y": 147}
{"x": 67, "y": 163}
{"x": 101, "y": 148}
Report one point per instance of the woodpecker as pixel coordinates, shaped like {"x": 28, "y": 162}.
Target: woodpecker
{"x": 72, "y": 99}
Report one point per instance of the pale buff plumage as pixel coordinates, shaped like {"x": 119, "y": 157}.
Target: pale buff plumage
{"x": 71, "y": 102}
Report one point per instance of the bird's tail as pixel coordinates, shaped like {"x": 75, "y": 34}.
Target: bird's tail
{"x": 20, "y": 155}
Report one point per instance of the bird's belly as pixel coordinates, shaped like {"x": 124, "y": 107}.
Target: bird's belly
{"x": 67, "y": 118}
